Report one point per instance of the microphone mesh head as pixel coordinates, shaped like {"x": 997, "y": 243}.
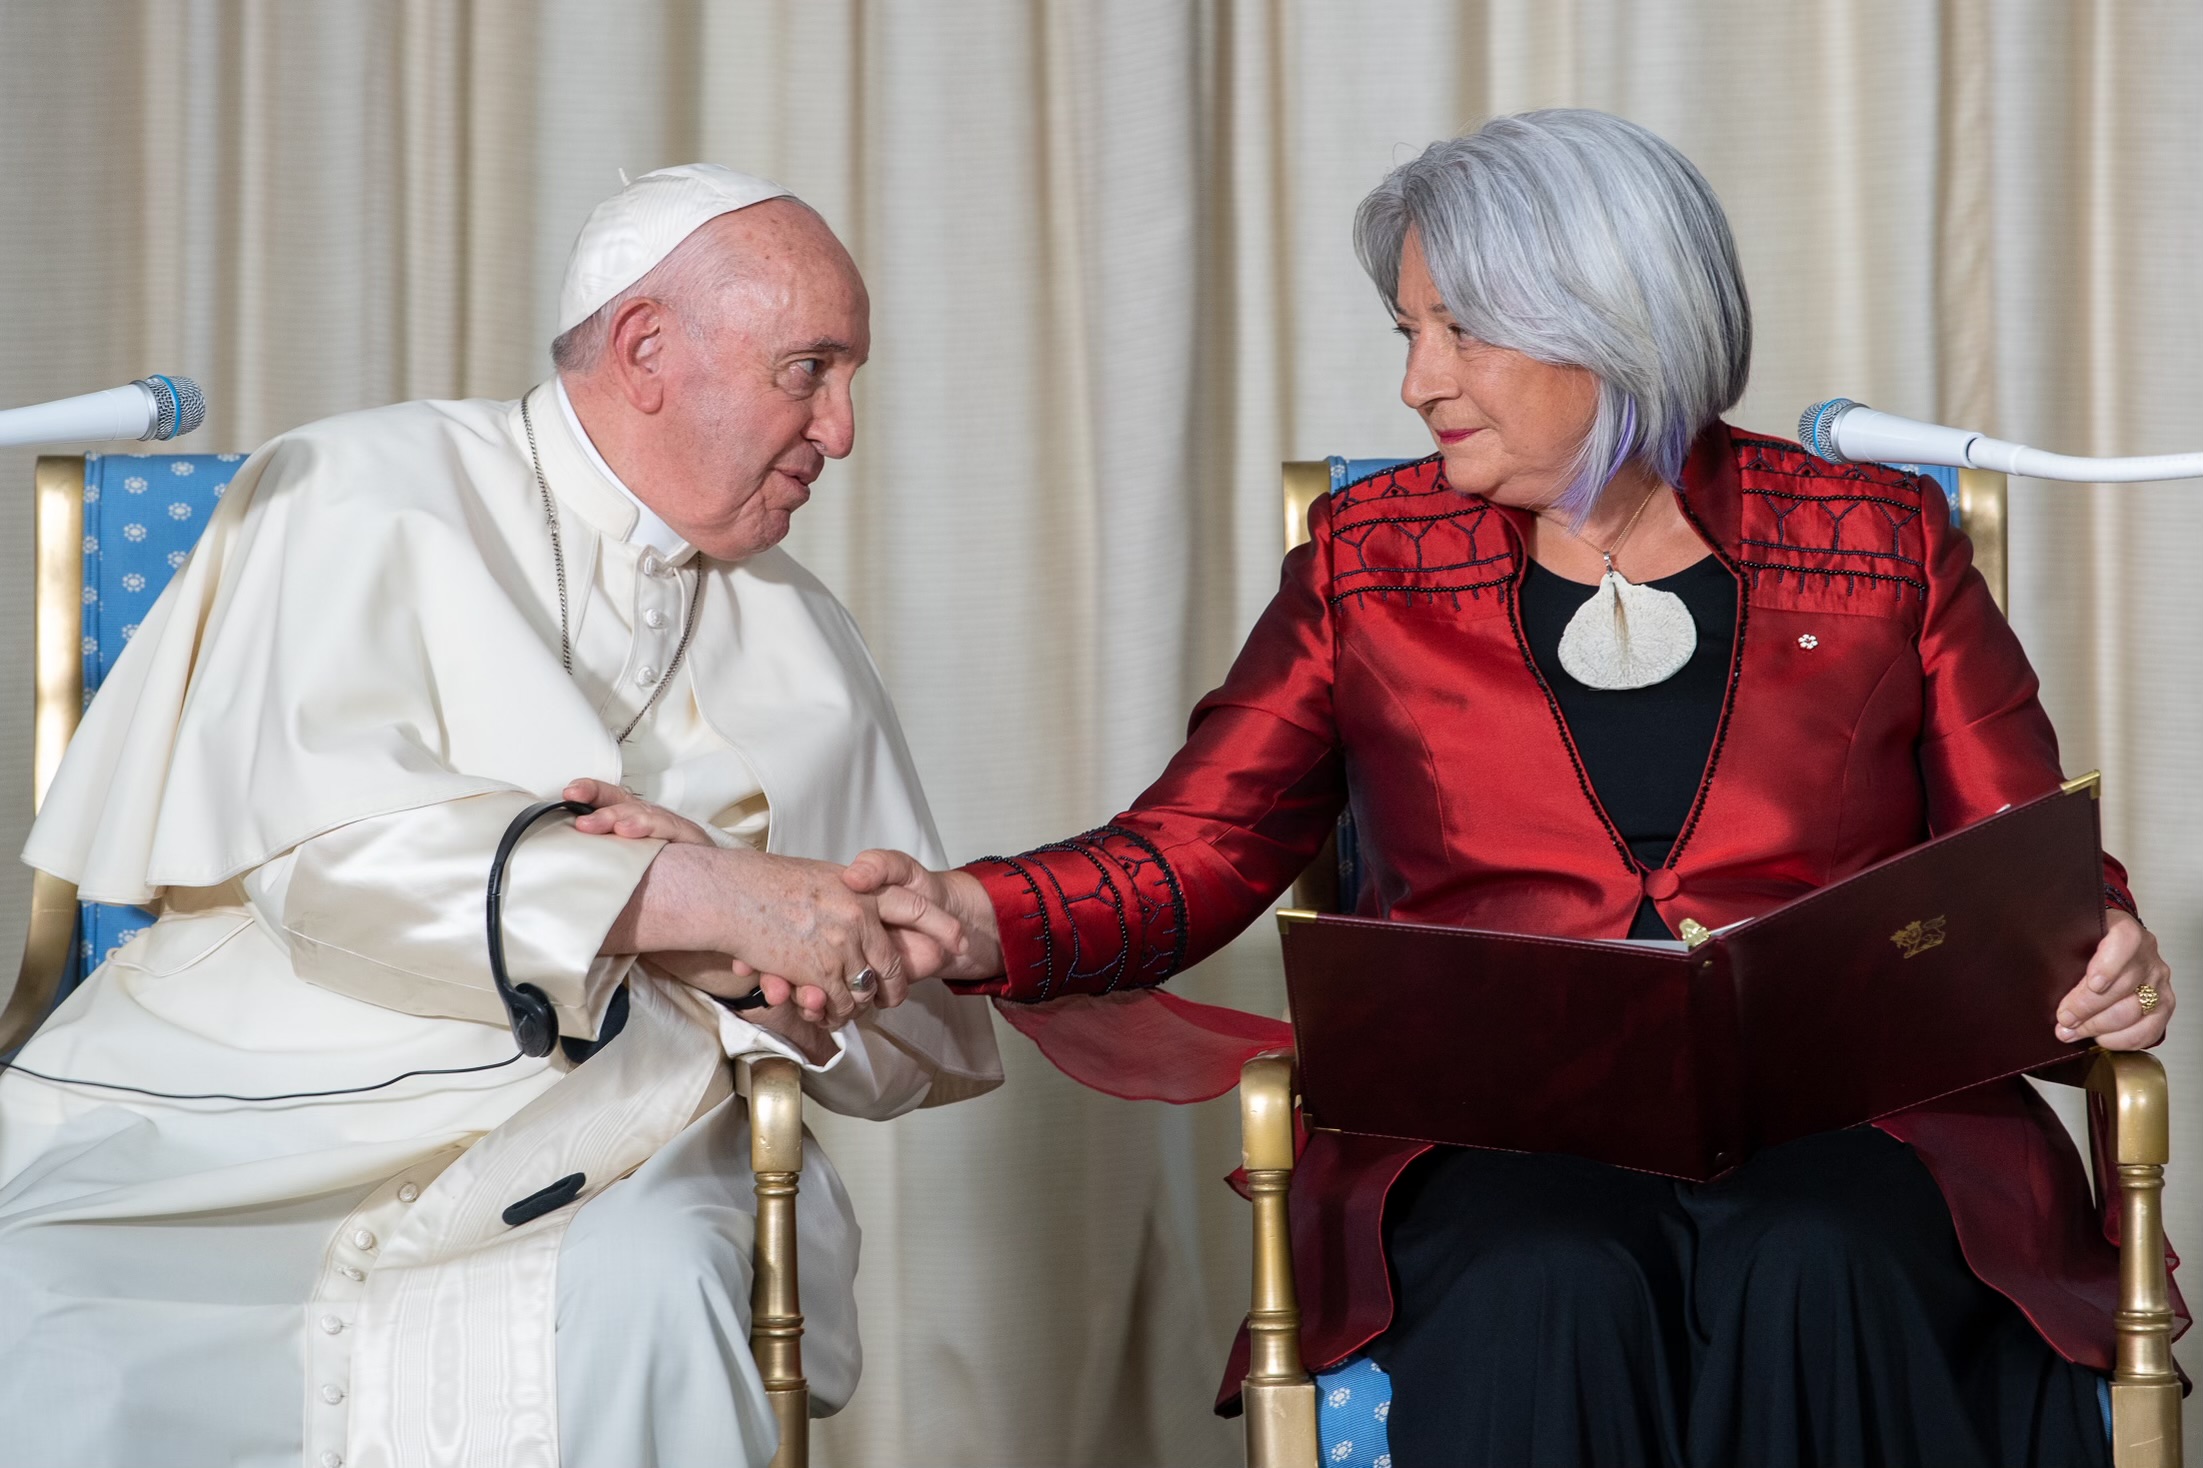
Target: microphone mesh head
{"x": 1814, "y": 426}
{"x": 178, "y": 406}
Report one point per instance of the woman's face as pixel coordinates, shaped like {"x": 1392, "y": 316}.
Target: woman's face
{"x": 1508, "y": 425}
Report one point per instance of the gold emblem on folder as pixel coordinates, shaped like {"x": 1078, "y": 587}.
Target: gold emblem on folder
{"x": 1918, "y": 936}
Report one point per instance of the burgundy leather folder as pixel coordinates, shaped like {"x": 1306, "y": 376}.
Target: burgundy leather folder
{"x": 1935, "y": 970}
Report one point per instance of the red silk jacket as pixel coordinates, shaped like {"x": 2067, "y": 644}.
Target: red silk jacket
{"x": 1876, "y": 697}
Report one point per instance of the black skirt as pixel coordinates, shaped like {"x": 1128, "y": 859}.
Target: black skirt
{"x": 1812, "y": 1308}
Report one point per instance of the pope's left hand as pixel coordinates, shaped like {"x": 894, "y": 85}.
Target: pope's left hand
{"x": 2102, "y": 1006}
{"x": 621, "y": 812}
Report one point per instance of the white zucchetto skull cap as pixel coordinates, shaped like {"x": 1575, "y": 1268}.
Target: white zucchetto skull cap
{"x": 639, "y": 226}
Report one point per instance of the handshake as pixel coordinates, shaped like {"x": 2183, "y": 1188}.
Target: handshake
{"x": 734, "y": 921}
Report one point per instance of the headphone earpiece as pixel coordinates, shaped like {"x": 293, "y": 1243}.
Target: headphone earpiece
{"x": 535, "y": 1026}
{"x": 527, "y": 1008}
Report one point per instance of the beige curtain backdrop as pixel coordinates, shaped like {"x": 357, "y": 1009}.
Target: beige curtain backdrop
{"x": 1108, "y": 251}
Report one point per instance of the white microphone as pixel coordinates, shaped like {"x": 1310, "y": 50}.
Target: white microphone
{"x": 152, "y": 407}
{"x": 1847, "y": 432}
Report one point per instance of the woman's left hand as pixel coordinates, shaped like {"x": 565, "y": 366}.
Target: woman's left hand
{"x": 2102, "y": 1006}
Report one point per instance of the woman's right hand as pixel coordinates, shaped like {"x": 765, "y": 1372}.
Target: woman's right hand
{"x": 956, "y": 893}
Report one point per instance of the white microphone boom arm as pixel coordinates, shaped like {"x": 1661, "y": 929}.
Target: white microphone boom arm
{"x": 150, "y": 408}
{"x": 1847, "y": 432}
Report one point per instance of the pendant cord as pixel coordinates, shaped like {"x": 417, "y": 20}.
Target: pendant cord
{"x": 558, "y": 561}
{"x": 1616, "y": 548}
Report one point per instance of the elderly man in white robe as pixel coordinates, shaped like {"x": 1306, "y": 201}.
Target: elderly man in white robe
{"x": 403, "y": 627}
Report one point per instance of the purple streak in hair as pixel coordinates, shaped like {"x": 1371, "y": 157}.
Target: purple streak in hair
{"x": 1625, "y": 442}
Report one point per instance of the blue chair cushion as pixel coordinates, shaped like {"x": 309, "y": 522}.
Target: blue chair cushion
{"x": 1347, "y": 471}
{"x": 1353, "y": 1402}
{"x": 142, "y": 515}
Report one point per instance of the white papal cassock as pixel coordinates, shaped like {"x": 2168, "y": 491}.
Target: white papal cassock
{"x": 303, "y": 762}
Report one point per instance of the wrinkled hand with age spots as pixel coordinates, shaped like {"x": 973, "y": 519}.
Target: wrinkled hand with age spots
{"x": 791, "y": 927}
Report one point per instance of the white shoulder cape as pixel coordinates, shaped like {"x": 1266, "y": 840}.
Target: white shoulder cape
{"x": 369, "y": 624}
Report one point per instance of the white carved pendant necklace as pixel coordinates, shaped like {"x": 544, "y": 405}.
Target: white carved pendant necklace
{"x": 1626, "y": 635}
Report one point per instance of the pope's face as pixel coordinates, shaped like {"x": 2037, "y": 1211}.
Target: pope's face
{"x": 757, "y": 391}
{"x": 1508, "y": 425}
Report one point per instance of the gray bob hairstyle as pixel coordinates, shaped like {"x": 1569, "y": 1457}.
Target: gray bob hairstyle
{"x": 1582, "y": 240}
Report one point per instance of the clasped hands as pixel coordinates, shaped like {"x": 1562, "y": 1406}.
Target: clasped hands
{"x": 731, "y": 921}
{"x": 802, "y": 928}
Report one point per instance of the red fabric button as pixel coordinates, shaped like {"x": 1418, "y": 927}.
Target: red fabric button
{"x": 1661, "y": 884}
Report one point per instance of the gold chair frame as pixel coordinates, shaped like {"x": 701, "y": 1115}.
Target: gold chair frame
{"x": 1280, "y": 1397}
{"x": 775, "y": 1084}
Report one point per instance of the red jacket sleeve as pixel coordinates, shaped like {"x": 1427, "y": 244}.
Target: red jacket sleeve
{"x": 1238, "y": 814}
{"x": 1985, "y": 740}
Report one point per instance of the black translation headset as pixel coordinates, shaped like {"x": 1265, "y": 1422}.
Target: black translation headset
{"x": 527, "y": 1008}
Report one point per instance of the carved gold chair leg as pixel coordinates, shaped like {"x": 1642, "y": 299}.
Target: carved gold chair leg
{"x": 776, "y": 1315}
{"x": 1280, "y": 1399}
{"x": 2145, "y": 1391}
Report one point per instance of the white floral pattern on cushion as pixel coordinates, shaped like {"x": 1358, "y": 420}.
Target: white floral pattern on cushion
{"x": 124, "y": 573}
{"x": 1351, "y": 1407}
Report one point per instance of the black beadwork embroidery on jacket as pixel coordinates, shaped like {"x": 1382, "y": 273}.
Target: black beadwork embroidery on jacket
{"x": 1073, "y": 973}
{"x": 1728, "y": 698}
{"x": 1040, "y": 911}
{"x": 1828, "y": 573}
{"x": 1772, "y": 457}
{"x": 1462, "y": 522}
{"x": 1179, "y": 923}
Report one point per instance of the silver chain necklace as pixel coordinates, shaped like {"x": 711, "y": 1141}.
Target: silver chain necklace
{"x": 558, "y": 560}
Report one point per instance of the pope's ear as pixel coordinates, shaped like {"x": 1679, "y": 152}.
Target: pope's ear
{"x": 634, "y": 352}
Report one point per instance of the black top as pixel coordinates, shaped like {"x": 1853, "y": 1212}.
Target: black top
{"x": 1643, "y": 749}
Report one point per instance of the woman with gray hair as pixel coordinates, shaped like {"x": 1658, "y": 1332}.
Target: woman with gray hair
{"x": 1599, "y": 664}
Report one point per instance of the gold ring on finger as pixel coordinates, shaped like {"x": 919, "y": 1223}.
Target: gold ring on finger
{"x": 2146, "y": 995}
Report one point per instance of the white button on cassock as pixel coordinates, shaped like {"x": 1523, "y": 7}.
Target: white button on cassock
{"x": 408, "y": 1193}
{"x": 352, "y": 1273}
{"x": 645, "y": 676}
{"x": 654, "y": 618}
{"x": 332, "y": 1394}
{"x": 650, "y": 564}
{"x": 364, "y": 1239}
{"x": 332, "y": 1460}
{"x": 330, "y": 1325}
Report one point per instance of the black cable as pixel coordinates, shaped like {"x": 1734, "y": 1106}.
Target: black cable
{"x": 527, "y": 1008}
{"x": 457, "y": 1070}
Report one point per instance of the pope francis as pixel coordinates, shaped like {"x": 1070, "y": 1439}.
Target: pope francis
{"x": 256, "y": 1201}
